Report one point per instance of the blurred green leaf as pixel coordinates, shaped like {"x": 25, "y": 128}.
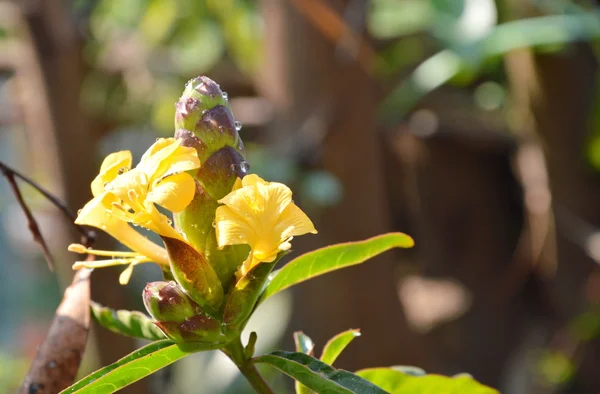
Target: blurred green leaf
{"x": 131, "y": 323}
{"x": 399, "y": 54}
{"x": 452, "y": 8}
{"x": 586, "y": 326}
{"x": 331, "y": 258}
{"x": 336, "y": 345}
{"x": 444, "y": 65}
{"x": 158, "y": 20}
{"x": 556, "y": 367}
{"x": 241, "y": 27}
{"x": 392, "y": 18}
{"x": 197, "y": 50}
{"x": 317, "y": 375}
{"x": 112, "y": 18}
{"x": 12, "y": 371}
{"x": 134, "y": 367}
{"x": 322, "y": 188}
{"x": 167, "y": 93}
{"x": 394, "y": 381}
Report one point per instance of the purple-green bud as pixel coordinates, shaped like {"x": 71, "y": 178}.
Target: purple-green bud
{"x": 203, "y": 119}
{"x": 194, "y": 274}
{"x": 198, "y": 328}
{"x": 166, "y": 301}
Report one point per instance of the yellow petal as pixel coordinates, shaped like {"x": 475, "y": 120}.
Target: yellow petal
{"x": 157, "y": 153}
{"x": 253, "y": 180}
{"x": 277, "y": 197}
{"x": 245, "y": 201}
{"x": 231, "y": 229}
{"x": 262, "y": 215}
{"x": 160, "y": 223}
{"x": 110, "y": 169}
{"x": 174, "y": 192}
{"x": 96, "y": 214}
{"x": 132, "y": 181}
{"x": 166, "y": 156}
{"x": 293, "y": 222}
{"x": 237, "y": 184}
{"x": 182, "y": 159}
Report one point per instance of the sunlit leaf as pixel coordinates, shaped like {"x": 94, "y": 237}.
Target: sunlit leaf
{"x": 134, "y": 367}
{"x": 336, "y": 345}
{"x": 316, "y": 375}
{"x": 394, "y": 381}
{"x": 331, "y": 258}
{"x": 131, "y": 323}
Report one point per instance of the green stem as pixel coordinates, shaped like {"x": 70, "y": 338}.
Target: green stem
{"x": 235, "y": 351}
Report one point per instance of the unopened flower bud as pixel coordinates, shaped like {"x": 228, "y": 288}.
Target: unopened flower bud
{"x": 194, "y": 274}
{"x": 198, "y": 328}
{"x": 166, "y": 301}
{"x": 203, "y": 119}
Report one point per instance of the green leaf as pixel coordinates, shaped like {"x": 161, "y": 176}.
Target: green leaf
{"x": 394, "y": 381}
{"x": 334, "y": 257}
{"x": 131, "y": 323}
{"x": 336, "y": 345}
{"x": 316, "y": 375}
{"x": 303, "y": 345}
{"x": 134, "y": 367}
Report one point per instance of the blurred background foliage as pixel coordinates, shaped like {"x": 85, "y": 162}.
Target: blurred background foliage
{"x": 473, "y": 125}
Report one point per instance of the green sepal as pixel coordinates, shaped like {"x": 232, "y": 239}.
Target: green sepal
{"x": 199, "y": 328}
{"x": 166, "y": 301}
{"x": 196, "y": 221}
{"x": 194, "y": 274}
{"x": 243, "y": 297}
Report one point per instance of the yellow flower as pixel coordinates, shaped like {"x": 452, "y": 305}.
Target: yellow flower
{"x": 160, "y": 179}
{"x": 122, "y": 195}
{"x": 262, "y": 215}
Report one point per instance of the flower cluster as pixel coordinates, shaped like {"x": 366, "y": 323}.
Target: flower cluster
{"x": 125, "y": 195}
{"x": 226, "y": 223}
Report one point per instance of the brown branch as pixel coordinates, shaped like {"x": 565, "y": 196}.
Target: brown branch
{"x": 87, "y": 236}
{"x": 31, "y": 222}
{"x": 57, "y": 360}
